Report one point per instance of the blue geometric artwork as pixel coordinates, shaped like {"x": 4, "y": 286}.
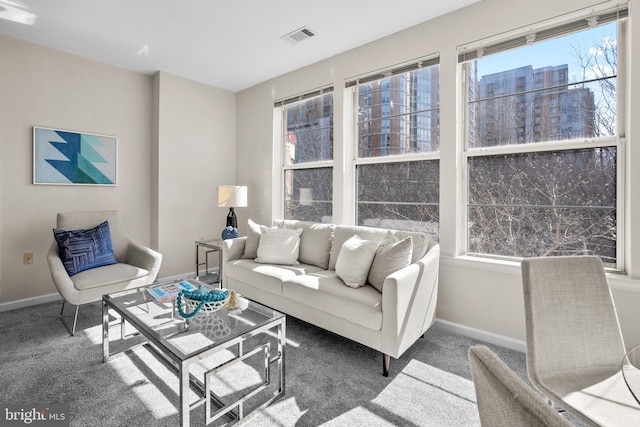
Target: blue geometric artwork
{"x": 65, "y": 157}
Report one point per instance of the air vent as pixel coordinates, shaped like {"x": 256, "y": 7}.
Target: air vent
{"x": 298, "y": 35}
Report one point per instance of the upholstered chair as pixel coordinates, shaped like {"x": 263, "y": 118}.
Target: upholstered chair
{"x": 135, "y": 265}
{"x": 504, "y": 399}
{"x": 574, "y": 344}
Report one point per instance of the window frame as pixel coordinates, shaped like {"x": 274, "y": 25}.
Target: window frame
{"x": 352, "y": 86}
{"x": 280, "y": 125}
{"x": 619, "y": 141}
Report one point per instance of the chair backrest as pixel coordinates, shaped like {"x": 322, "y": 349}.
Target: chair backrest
{"x": 571, "y": 322}
{"x": 504, "y": 399}
{"x": 89, "y": 219}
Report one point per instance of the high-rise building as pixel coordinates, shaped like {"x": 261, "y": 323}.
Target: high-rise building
{"x": 524, "y": 105}
{"x": 399, "y": 114}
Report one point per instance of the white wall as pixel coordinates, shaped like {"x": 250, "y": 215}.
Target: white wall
{"x": 196, "y": 153}
{"x": 176, "y": 143}
{"x": 45, "y": 87}
{"x": 477, "y": 294}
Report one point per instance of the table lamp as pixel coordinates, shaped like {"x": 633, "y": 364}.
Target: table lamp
{"x": 230, "y": 196}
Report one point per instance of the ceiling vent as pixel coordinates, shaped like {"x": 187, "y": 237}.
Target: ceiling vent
{"x": 298, "y": 35}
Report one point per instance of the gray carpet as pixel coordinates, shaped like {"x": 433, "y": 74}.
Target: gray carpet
{"x": 329, "y": 380}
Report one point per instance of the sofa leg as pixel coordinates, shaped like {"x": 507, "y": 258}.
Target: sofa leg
{"x": 386, "y": 361}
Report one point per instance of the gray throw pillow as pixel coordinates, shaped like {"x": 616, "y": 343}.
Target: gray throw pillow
{"x": 390, "y": 257}
{"x": 253, "y": 240}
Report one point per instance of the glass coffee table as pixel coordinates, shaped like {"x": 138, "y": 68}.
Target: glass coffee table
{"x": 186, "y": 343}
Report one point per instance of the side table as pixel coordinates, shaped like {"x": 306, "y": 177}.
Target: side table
{"x": 214, "y": 245}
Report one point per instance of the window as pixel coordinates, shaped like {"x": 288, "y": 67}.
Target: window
{"x": 397, "y": 155}
{"x": 308, "y": 156}
{"x": 543, "y": 142}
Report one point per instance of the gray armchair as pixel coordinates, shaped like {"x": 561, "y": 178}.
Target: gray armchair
{"x": 136, "y": 265}
{"x": 504, "y": 399}
{"x": 574, "y": 344}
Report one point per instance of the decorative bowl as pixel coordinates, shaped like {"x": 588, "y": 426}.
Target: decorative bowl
{"x": 208, "y": 307}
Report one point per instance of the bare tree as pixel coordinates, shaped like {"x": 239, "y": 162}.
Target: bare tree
{"x": 538, "y": 204}
{"x": 600, "y": 62}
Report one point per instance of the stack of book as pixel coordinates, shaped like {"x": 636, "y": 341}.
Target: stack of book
{"x": 169, "y": 292}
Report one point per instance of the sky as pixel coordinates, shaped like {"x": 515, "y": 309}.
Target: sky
{"x": 552, "y": 52}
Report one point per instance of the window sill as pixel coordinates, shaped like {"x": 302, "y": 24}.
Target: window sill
{"x": 617, "y": 281}
{"x": 481, "y": 263}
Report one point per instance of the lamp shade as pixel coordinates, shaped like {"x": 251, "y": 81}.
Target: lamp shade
{"x": 232, "y": 196}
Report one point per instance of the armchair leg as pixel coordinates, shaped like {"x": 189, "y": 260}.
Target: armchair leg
{"x": 72, "y": 330}
{"x": 386, "y": 362}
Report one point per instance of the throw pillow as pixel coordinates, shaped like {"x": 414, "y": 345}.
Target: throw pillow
{"x": 390, "y": 257}
{"x": 253, "y": 239}
{"x": 354, "y": 261}
{"x": 315, "y": 241}
{"x": 420, "y": 242}
{"x": 279, "y": 246}
{"x": 82, "y": 250}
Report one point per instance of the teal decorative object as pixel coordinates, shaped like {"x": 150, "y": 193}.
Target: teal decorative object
{"x": 202, "y": 299}
{"x": 229, "y": 233}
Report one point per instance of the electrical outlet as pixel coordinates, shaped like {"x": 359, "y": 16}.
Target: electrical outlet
{"x": 27, "y": 258}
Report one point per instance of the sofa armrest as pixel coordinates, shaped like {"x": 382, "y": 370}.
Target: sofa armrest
{"x": 144, "y": 257}
{"x": 233, "y": 249}
{"x": 409, "y": 298}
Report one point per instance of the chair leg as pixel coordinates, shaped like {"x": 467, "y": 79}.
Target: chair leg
{"x": 71, "y": 330}
{"x": 386, "y": 362}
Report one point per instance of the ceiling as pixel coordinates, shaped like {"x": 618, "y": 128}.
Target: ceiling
{"x": 231, "y": 44}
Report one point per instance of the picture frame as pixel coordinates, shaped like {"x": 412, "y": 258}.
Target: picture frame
{"x": 64, "y": 157}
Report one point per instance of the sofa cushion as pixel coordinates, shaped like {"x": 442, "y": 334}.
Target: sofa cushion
{"x": 265, "y": 276}
{"x": 108, "y": 274}
{"x": 342, "y": 233}
{"x": 390, "y": 257}
{"x": 325, "y": 291}
{"x": 279, "y": 246}
{"x": 354, "y": 261}
{"x": 82, "y": 250}
{"x": 315, "y": 241}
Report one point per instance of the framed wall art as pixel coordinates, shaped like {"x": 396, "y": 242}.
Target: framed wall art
{"x": 62, "y": 157}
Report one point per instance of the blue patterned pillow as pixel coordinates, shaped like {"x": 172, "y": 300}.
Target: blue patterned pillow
{"x": 84, "y": 249}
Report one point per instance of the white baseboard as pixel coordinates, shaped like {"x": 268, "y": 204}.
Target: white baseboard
{"x": 488, "y": 337}
{"x": 27, "y": 302}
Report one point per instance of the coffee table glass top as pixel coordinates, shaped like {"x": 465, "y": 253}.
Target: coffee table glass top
{"x": 186, "y": 338}
{"x": 631, "y": 371}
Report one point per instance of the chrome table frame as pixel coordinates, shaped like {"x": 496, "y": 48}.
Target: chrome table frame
{"x": 214, "y": 245}
{"x": 235, "y": 408}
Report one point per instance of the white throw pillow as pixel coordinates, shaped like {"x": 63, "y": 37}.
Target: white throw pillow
{"x": 354, "y": 261}
{"x": 253, "y": 240}
{"x": 279, "y": 246}
{"x": 315, "y": 241}
{"x": 390, "y": 257}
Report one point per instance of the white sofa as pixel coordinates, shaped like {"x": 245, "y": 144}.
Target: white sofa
{"x": 389, "y": 321}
